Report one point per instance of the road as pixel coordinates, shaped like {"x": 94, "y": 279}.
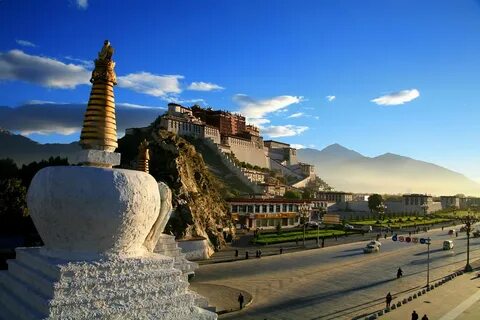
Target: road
{"x": 338, "y": 282}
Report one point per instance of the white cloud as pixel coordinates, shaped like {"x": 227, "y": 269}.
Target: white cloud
{"x": 330, "y": 98}
{"x": 138, "y": 106}
{"x": 151, "y": 84}
{"x": 296, "y": 115}
{"x": 396, "y": 98}
{"x": 40, "y": 102}
{"x": 86, "y": 63}
{"x": 283, "y": 131}
{"x": 82, "y": 4}
{"x": 47, "y": 72}
{"x": 204, "y": 86}
{"x": 256, "y": 110}
{"x": 258, "y": 122}
{"x": 297, "y": 146}
{"x": 66, "y": 119}
{"x": 25, "y": 43}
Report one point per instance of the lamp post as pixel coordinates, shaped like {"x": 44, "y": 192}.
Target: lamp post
{"x": 427, "y": 242}
{"x": 425, "y": 208}
{"x": 303, "y": 210}
{"x": 469, "y": 220}
{"x": 320, "y": 210}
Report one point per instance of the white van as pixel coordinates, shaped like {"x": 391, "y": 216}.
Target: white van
{"x": 447, "y": 245}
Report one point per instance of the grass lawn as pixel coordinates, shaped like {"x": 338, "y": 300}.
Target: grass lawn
{"x": 286, "y": 236}
{"x": 402, "y": 221}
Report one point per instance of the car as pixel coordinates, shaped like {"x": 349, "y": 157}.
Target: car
{"x": 375, "y": 243}
{"x": 349, "y": 227}
{"x": 370, "y": 248}
{"x": 451, "y": 231}
{"x": 447, "y": 245}
{"x": 312, "y": 224}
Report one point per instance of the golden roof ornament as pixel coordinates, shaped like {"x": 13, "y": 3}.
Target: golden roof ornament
{"x": 143, "y": 156}
{"x": 99, "y": 130}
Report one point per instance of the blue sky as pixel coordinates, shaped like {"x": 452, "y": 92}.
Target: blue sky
{"x": 404, "y": 74}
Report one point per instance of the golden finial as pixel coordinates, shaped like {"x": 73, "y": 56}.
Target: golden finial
{"x": 143, "y": 156}
{"x": 99, "y": 125}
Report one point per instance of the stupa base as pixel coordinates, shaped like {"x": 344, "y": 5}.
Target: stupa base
{"x": 39, "y": 287}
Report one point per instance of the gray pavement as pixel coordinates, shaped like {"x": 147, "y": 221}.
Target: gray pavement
{"x": 335, "y": 282}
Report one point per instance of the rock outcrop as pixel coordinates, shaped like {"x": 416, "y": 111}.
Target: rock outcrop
{"x": 199, "y": 208}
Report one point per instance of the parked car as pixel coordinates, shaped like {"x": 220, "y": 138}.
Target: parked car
{"x": 375, "y": 243}
{"x": 312, "y": 224}
{"x": 348, "y": 227}
{"x": 370, "y": 248}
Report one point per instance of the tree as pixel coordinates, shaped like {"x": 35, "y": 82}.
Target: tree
{"x": 292, "y": 194}
{"x": 13, "y": 206}
{"x": 374, "y": 202}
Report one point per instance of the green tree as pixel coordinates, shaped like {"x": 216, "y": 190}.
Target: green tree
{"x": 292, "y": 194}
{"x": 13, "y": 206}
{"x": 374, "y": 202}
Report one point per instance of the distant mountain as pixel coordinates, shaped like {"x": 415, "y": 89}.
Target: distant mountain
{"x": 24, "y": 150}
{"x": 348, "y": 170}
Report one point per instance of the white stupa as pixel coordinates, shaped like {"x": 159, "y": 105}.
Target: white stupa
{"x": 99, "y": 226}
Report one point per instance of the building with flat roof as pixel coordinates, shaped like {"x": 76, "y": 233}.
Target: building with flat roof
{"x": 336, "y": 196}
{"x": 268, "y": 213}
{"x": 420, "y": 203}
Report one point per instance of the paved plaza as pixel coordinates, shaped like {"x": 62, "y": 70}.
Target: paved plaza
{"x": 339, "y": 282}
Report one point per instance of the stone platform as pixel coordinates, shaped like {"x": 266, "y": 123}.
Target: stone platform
{"x": 167, "y": 246}
{"x": 39, "y": 287}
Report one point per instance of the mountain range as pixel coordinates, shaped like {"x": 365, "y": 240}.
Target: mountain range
{"x": 342, "y": 168}
{"x": 348, "y": 170}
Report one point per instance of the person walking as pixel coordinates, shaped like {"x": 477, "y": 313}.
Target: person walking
{"x": 388, "y": 300}
{"x": 424, "y": 317}
{"x": 414, "y": 315}
{"x": 236, "y": 253}
{"x": 399, "y": 273}
{"x": 240, "y": 300}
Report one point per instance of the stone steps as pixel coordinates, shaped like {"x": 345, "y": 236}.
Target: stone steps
{"x": 50, "y": 289}
{"x": 168, "y": 246}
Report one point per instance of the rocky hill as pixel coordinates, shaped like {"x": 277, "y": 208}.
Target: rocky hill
{"x": 200, "y": 210}
{"x": 348, "y": 170}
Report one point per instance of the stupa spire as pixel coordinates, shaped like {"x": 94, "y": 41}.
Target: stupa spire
{"x": 99, "y": 130}
{"x": 143, "y": 157}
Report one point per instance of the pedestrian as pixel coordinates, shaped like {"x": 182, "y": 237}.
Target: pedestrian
{"x": 246, "y": 254}
{"x": 281, "y": 250}
{"x": 409, "y": 233}
{"x": 442, "y": 228}
{"x": 236, "y": 253}
{"x": 388, "y": 300}
{"x": 399, "y": 273}
{"x": 456, "y": 233}
{"x": 323, "y": 242}
{"x": 385, "y": 236}
{"x": 240, "y": 300}
{"x": 414, "y": 315}
{"x": 424, "y": 317}
{"x": 378, "y": 236}
{"x": 259, "y": 253}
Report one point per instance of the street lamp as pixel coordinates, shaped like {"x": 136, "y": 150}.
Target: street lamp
{"x": 320, "y": 211}
{"x": 303, "y": 210}
{"x": 425, "y": 208}
{"x": 427, "y": 242}
{"x": 469, "y": 220}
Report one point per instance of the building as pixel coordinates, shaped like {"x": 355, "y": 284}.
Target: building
{"x": 281, "y": 152}
{"x": 268, "y": 213}
{"x": 420, "y": 203}
{"x": 335, "y": 196}
{"x": 452, "y": 202}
